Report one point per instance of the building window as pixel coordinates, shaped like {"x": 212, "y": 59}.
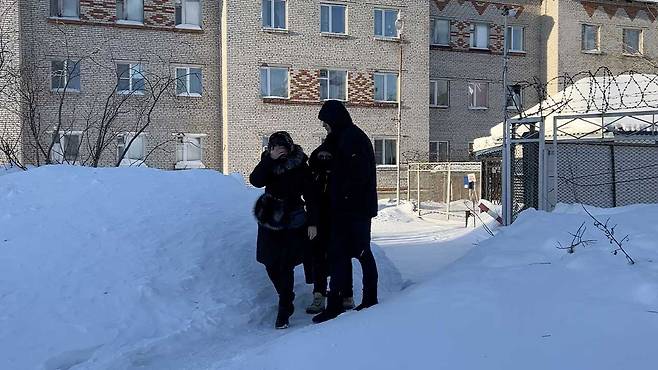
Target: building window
{"x": 439, "y": 151}
{"x": 333, "y": 85}
{"x": 515, "y": 98}
{"x": 515, "y": 38}
{"x": 130, "y": 10}
{"x": 441, "y": 32}
{"x": 65, "y": 8}
{"x": 385, "y": 23}
{"x": 188, "y": 13}
{"x": 188, "y": 81}
{"x": 478, "y": 95}
{"x": 385, "y": 151}
{"x": 386, "y": 87}
{"x": 590, "y": 36}
{"x": 274, "y": 82}
{"x": 66, "y": 147}
{"x": 189, "y": 151}
{"x": 274, "y": 14}
{"x": 130, "y": 78}
{"x": 632, "y": 41}
{"x": 65, "y": 75}
{"x": 333, "y": 18}
{"x": 440, "y": 93}
{"x": 135, "y": 153}
{"x": 479, "y": 38}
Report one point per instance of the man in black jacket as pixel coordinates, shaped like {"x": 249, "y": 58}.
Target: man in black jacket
{"x": 353, "y": 188}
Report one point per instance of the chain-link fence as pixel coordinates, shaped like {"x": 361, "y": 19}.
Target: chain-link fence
{"x": 445, "y": 189}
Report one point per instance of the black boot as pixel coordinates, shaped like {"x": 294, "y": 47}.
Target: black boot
{"x": 286, "y": 309}
{"x": 334, "y": 308}
{"x": 369, "y": 300}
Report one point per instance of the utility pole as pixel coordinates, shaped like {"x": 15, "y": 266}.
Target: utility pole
{"x": 399, "y": 25}
{"x": 507, "y": 149}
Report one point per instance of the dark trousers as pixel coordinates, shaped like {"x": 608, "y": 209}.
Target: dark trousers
{"x": 320, "y": 272}
{"x": 283, "y": 279}
{"x": 350, "y": 238}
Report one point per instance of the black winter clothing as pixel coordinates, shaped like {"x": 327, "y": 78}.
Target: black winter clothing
{"x": 281, "y": 236}
{"x": 354, "y": 178}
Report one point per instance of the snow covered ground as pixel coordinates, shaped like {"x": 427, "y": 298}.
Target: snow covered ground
{"x": 143, "y": 269}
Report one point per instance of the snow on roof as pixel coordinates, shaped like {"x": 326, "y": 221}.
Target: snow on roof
{"x": 594, "y": 95}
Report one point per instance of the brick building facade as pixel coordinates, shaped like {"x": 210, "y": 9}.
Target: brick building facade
{"x": 247, "y": 68}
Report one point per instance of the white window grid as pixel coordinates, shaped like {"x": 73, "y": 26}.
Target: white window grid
{"x": 513, "y": 31}
{"x": 514, "y": 97}
{"x": 476, "y": 88}
{"x": 385, "y": 76}
{"x": 60, "y": 149}
{"x": 477, "y": 29}
{"x": 135, "y": 72}
{"x": 384, "y": 141}
{"x": 69, "y": 66}
{"x": 329, "y": 72}
{"x": 436, "y": 149}
{"x": 188, "y": 20}
{"x": 628, "y": 49}
{"x": 272, "y": 11}
{"x": 184, "y": 145}
{"x": 435, "y": 23}
{"x": 585, "y": 47}
{"x": 124, "y": 14}
{"x": 268, "y": 70}
{"x": 124, "y": 139}
{"x": 59, "y": 8}
{"x": 381, "y": 12}
{"x": 434, "y": 85}
{"x": 330, "y": 6}
{"x": 186, "y": 81}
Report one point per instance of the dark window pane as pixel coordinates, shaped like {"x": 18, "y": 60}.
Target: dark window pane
{"x": 338, "y": 19}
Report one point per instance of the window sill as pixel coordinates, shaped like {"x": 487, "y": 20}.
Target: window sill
{"x": 440, "y": 46}
{"x": 188, "y": 95}
{"x": 518, "y": 52}
{"x": 334, "y": 35}
{"x": 56, "y": 18}
{"x": 193, "y": 27}
{"x": 478, "y": 108}
{"x": 189, "y": 165}
{"x": 638, "y": 55}
{"x": 67, "y": 91}
{"x": 126, "y": 22}
{"x": 275, "y": 30}
{"x": 439, "y": 106}
{"x": 128, "y": 92}
{"x": 478, "y": 49}
{"x": 592, "y": 52}
{"x": 386, "y": 102}
{"x": 388, "y": 39}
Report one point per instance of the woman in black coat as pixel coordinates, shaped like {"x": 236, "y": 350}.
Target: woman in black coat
{"x": 282, "y": 219}
{"x": 321, "y": 162}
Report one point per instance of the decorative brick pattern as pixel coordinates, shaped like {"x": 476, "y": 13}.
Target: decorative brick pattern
{"x": 361, "y": 88}
{"x": 304, "y": 85}
{"x": 496, "y": 39}
{"x": 611, "y": 9}
{"x": 480, "y": 6}
{"x": 98, "y": 10}
{"x": 460, "y": 36}
{"x": 159, "y": 13}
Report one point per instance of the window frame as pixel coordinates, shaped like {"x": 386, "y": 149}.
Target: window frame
{"x": 597, "y": 41}
{"x": 127, "y": 137}
{"x": 187, "y": 93}
{"x": 384, "y": 139}
{"x": 331, "y": 5}
{"x": 132, "y": 71}
{"x": 185, "y": 162}
{"x": 472, "y": 36}
{"x": 507, "y": 98}
{"x": 397, "y": 86}
{"x": 128, "y": 21}
{"x": 436, "y": 81}
{"x": 59, "y": 157}
{"x": 272, "y": 27}
{"x": 473, "y": 98}
{"x": 269, "y": 81}
{"x": 60, "y": 7}
{"x": 510, "y": 47}
{"x": 640, "y": 41}
{"x": 328, "y": 78}
{"x": 438, "y": 146}
{"x": 434, "y": 22}
{"x": 184, "y": 17}
{"x": 383, "y": 11}
{"x": 67, "y": 76}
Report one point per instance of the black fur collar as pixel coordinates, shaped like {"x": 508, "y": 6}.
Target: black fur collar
{"x": 296, "y": 158}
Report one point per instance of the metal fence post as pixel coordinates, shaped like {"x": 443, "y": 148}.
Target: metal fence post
{"x": 449, "y": 193}
{"x": 418, "y": 186}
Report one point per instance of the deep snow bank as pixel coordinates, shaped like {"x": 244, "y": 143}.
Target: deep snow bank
{"x": 515, "y": 302}
{"x": 119, "y": 268}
